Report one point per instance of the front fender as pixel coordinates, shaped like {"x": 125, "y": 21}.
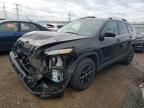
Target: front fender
{"x": 73, "y": 66}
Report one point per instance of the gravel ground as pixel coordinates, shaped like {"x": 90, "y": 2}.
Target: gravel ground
{"x": 107, "y": 91}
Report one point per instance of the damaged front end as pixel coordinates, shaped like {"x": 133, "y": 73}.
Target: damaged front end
{"x": 44, "y": 73}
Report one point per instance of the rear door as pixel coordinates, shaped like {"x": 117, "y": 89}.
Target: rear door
{"x": 109, "y": 44}
{"x": 8, "y": 35}
{"x": 124, "y": 38}
{"x": 28, "y": 27}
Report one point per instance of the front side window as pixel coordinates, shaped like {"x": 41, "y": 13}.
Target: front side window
{"x": 9, "y": 27}
{"x": 111, "y": 27}
{"x": 26, "y": 27}
{"x": 83, "y": 27}
{"x": 123, "y": 28}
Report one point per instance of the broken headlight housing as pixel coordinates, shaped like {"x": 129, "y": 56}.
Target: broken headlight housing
{"x": 56, "y": 63}
{"x": 60, "y": 51}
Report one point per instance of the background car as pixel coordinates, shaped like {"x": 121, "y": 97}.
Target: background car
{"x": 10, "y": 31}
{"x": 139, "y": 44}
{"x": 54, "y": 27}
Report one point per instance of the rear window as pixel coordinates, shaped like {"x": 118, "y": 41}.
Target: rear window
{"x": 26, "y": 27}
{"x": 123, "y": 28}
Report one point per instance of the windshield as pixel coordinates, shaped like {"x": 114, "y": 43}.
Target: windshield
{"x": 83, "y": 27}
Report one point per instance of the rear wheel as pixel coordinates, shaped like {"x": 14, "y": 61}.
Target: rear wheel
{"x": 129, "y": 57}
{"x": 84, "y": 74}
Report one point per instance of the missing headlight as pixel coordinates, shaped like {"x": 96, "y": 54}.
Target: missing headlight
{"x": 57, "y": 74}
{"x": 57, "y": 69}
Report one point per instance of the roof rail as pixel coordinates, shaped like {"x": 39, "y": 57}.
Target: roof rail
{"x": 88, "y": 17}
{"x": 118, "y": 18}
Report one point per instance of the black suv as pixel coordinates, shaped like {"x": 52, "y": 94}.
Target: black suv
{"x": 48, "y": 61}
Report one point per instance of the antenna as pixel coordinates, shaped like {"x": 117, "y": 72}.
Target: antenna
{"x": 69, "y": 16}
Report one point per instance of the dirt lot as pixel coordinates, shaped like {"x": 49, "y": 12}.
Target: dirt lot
{"x": 107, "y": 91}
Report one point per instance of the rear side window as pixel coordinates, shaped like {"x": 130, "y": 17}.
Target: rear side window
{"x": 26, "y": 27}
{"x": 123, "y": 29}
{"x": 9, "y": 27}
{"x": 129, "y": 28}
{"x": 111, "y": 27}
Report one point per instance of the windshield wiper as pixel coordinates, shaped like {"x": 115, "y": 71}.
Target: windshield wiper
{"x": 73, "y": 33}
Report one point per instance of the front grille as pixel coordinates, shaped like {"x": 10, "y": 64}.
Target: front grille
{"x": 36, "y": 63}
{"x": 27, "y": 63}
{"x": 25, "y": 47}
{"x": 26, "y": 56}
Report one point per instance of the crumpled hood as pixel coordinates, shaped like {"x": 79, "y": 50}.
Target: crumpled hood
{"x": 40, "y": 38}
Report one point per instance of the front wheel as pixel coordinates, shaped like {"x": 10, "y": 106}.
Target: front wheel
{"x": 128, "y": 59}
{"x": 84, "y": 74}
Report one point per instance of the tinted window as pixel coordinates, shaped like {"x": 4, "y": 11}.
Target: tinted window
{"x": 8, "y": 27}
{"x": 26, "y": 27}
{"x": 83, "y": 27}
{"x": 111, "y": 27}
{"x": 129, "y": 28}
{"x": 123, "y": 28}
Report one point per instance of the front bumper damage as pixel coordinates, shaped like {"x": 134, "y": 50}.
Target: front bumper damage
{"x": 42, "y": 87}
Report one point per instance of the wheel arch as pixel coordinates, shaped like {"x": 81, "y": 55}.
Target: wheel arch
{"x": 92, "y": 55}
{"x": 73, "y": 66}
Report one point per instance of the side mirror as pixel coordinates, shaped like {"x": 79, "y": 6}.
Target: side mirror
{"x": 107, "y": 34}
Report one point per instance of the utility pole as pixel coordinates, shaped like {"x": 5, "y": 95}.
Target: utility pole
{"x": 69, "y": 16}
{"x": 27, "y": 17}
{"x": 17, "y": 11}
{"x": 4, "y": 11}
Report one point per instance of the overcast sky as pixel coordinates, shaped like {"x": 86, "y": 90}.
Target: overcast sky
{"x": 133, "y": 10}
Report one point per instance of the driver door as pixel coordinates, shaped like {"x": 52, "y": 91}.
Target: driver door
{"x": 109, "y": 49}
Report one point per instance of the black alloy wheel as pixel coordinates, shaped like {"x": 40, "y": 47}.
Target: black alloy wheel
{"x": 84, "y": 74}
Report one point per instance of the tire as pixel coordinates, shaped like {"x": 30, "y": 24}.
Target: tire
{"x": 128, "y": 59}
{"x": 84, "y": 74}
